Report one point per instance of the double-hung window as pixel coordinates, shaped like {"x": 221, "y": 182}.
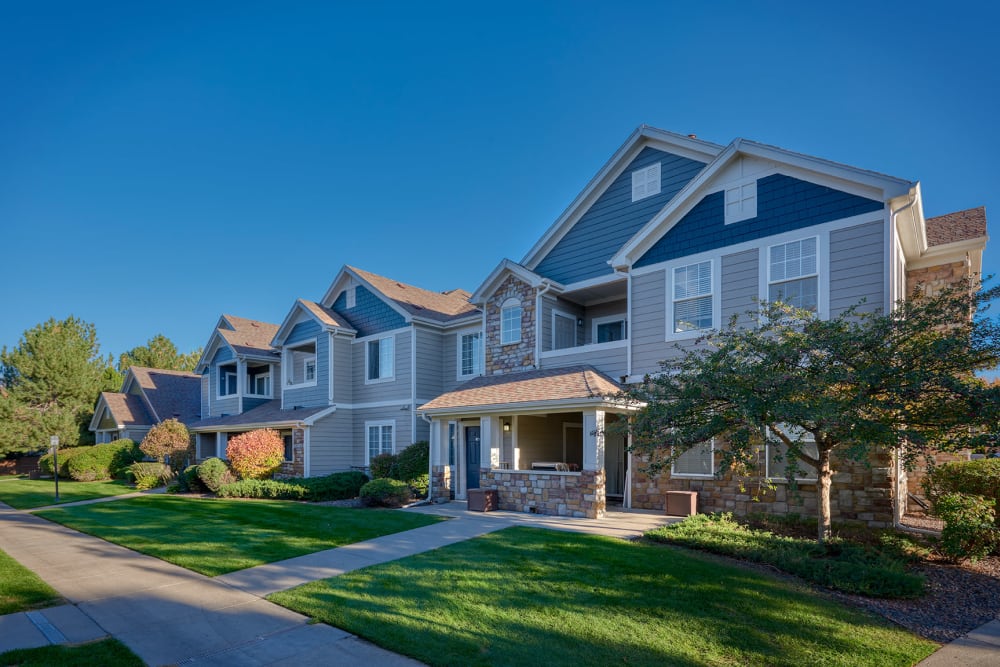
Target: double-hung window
{"x": 380, "y": 359}
{"x": 692, "y": 298}
{"x": 793, "y": 274}
{"x": 259, "y": 384}
{"x": 470, "y": 354}
{"x": 380, "y": 438}
{"x": 777, "y": 458}
{"x": 510, "y": 322}
{"x": 699, "y": 461}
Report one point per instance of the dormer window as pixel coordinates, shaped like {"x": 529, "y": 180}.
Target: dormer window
{"x": 227, "y": 381}
{"x": 741, "y": 201}
{"x": 299, "y": 364}
{"x": 259, "y": 381}
{"x": 510, "y": 322}
{"x": 646, "y": 182}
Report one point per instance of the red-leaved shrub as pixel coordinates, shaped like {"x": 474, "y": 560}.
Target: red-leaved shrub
{"x": 256, "y": 454}
{"x": 168, "y": 442}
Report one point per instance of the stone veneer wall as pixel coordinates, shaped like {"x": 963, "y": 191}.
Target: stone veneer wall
{"x": 440, "y": 484}
{"x": 560, "y": 494}
{"x": 859, "y": 493}
{"x": 933, "y": 279}
{"x": 515, "y": 356}
{"x": 297, "y": 466}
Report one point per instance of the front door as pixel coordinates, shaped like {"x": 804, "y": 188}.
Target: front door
{"x": 615, "y": 463}
{"x": 472, "y": 457}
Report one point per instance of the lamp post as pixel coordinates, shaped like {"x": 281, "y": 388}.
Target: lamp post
{"x": 54, "y": 442}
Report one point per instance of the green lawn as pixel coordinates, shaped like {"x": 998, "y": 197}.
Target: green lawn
{"x": 214, "y": 536}
{"x": 27, "y": 493}
{"x": 527, "y": 596}
{"x": 106, "y": 653}
{"x": 21, "y": 589}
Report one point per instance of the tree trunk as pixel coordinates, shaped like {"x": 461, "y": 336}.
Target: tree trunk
{"x": 824, "y": 482}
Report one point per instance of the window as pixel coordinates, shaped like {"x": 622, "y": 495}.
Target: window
{"x": 793, "y": 276}
{"x": 300, "y": 364}
{"x": 610, "y": 329}
{"x": 741, "y": 202}
{"x": 470, "y": 354}
{"x": 380, "y": 359}
{"x": 699, "y": 461}
{"x": 350, "y": 297}
{"x": 380, "y": 438}
{"x": 259, "y": 384}
{"x": 646, "y": 182}
{"x": 776, "y": 455}
{"x": 563, "y": 331}
{"x": 286, "y": 439}
{"x": 510, "y": 322}
{"x": 227, "y": 381}
{"x": 692, "y": 297}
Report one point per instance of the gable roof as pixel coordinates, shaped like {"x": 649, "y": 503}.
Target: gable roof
{"x": 504, "y": 268}
{"x": 539, "y": 388}
{"x": 125, "y": 409}
{"x": 852, "y": 179}
{"x": 249, "y": 336}
{"x": 170, "y": 394}
{"x": 964, "y": 225}
{"x": 328, "y": 319}
{"x": 644, "y": 135}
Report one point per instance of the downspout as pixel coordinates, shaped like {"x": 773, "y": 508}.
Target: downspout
{"x": 900, "y": 499}
{"x": 628, "y": 320}
{"x": 430, "y": 457}
{"x": 546, "y": 286}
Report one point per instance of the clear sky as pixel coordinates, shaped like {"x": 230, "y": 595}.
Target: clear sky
{"x": 161, "y": 164}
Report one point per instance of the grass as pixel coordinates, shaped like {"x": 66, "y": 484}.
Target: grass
{"x": 528, "y": 596}
{"x": 840, "y": 564}
{"x": 28, "y": 493}
{"x": 214, "y": 537}
{"x": 21, "y": 589}
{"x": 107, "y": 653}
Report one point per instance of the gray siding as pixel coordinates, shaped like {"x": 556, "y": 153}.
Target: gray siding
{"x": 601, "y": 310}
{"x": 402, "y": 431}
{"x": 740, "y": 280}
{"x": 343, "y": 385}
{"x": 449, "y": 363}
{"x": 429, "y": 357}
{"x": 649, "y": 329}
{"x": 206, "y": 392}
{"x": 612, "y": 362}
{"x": 221, "y": 406}
{"x": 857, "y": 268}
{"x": 399, "y": 387}
{"x": 548, "y": 305}
{"x": 317, "y": 394}
{"x": 331, "y": 444}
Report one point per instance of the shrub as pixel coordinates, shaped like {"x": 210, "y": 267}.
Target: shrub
{"x": 263, "y": 488}
{"x": 214, "y": 473}
{"x": 65, "y": 456}
{"x": 149, "y": 475}
{"x": 837, "y": 564}
{"x": 383, "y": 466}
{"x": 385, "y": 492}
{"x": 980, "y": 478}
{"x": 189, "y": 480}
{"x": 256, "y": 454}
{"x": 168, "y": 442}
{"x": 338, "y": 486}
{"x": 419, "y": 486}
{"x": 104, "y": 461}
{"x": 412, "y": 462}
{"x": 969, "y": 530}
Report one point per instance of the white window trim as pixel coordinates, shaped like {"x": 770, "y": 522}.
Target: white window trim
{"x": 716, "y": 296}
{"x": 379, "y": 423}
{"x": 820, "y": 265}
{"x": 746, "y": 214}
{"x": 306, "y": 361}
{"x": 691, "y": 475}
{"x": 287, "y": 366}
{"x": 219, "y": 373}
{"x": 573, "y": 318}
{"x": 782, "y": 479}
{"x": 511, "y": 303}
{"x": 643, "y": 173}
{"x": 392, "y": 367}
{"x": 250, "y": 386}
{"x": 597, "y": 321}
{"x": 458, "y": 353}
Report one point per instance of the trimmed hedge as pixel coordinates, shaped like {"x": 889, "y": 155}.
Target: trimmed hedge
{"x": 410, "y": 466}
{"x": 837, "y": 564}
{"x": 189, "y": 480}
{"x": 338, "y": 486}
{"x": 214, "y": 474}
{"x": 150, "y": 474}
{"x": 104, "y": 461}
{"x": 65, "y": 456}
{"x": 386, "y": 492}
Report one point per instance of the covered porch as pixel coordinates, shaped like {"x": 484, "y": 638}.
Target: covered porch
{"x": 557, "y": 454}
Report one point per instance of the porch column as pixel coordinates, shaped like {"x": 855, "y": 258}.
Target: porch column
{"x": 489, "y": 442}
{"x": 593, "y": 440}
{"x": 439, "y": 478}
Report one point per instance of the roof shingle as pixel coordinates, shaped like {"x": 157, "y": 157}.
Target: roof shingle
{"x": 266, "y": 413}
{"x": 249, "y": 336}
{"x": 127, "y": 409}
{"x": 170, "y": 393}
{"x": 441, "y": 306}
{"x": 958, "y": 226}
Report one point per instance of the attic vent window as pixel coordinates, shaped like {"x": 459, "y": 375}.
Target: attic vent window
{"x": 350, "y": 297}
{"x": 646, "y": 182}
{"x": 741, "y": 201}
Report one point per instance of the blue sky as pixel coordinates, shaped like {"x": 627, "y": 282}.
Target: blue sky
{"x": 163, "y": 164}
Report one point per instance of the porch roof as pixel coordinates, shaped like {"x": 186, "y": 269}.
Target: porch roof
{"x": 266, "y": 415}
{"x": 547, "y": 388}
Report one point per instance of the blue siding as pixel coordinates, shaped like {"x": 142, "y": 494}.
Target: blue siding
{"x": 220, "y": 406}
{"x": 317, "y": 394}
{"x": 784, "y": 204}
{"x": 614, "y": 218}
{"x": 370, "y": 314}
{"x": 302, "y": 331}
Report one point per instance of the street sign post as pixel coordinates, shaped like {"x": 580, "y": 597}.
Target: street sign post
{"x": 54, "y": 442}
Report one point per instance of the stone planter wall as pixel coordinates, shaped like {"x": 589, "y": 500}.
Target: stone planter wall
{"x": 576, "y": 494}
